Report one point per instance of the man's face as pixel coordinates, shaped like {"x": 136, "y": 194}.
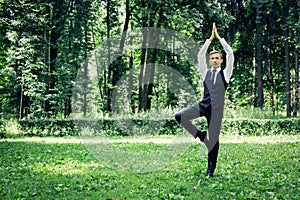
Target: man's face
{"x": 215, "y": 60}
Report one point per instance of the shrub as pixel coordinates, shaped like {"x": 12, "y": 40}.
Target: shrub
{"x": 290, "y": 126}
{"x": 48, "y": 127}
{"x": 111, "y": 127}
{"x": 2, "y": 130}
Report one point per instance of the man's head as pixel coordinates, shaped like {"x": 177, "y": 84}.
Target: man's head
{"x": 215, "y": 58}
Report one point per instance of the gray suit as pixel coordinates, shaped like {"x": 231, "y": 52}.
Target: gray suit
{"x": 212, "y": 104}
{"x": 211, "y": 107}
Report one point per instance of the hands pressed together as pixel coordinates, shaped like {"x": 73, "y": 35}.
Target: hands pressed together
{"x": 214, "y": 33}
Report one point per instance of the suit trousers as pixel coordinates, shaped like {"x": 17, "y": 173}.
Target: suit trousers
{"x": 214, "y": 120}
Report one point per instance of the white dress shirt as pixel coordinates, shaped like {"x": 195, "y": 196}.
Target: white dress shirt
{"x": 202, "y": 65}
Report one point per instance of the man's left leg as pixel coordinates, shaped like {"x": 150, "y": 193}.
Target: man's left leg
{"x": 212, "y": 160}
{"x": 185, "y": 116}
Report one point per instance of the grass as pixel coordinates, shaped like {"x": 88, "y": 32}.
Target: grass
{"x": 248, "y": 168}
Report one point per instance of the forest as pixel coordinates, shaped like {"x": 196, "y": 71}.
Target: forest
{"x": 89, "y": 90}
{"x": 46, "y": 47}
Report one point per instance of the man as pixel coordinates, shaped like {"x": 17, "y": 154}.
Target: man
{"x": 212, "y": 105}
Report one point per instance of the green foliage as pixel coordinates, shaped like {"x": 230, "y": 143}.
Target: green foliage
{"x": 44, "y": 43}
{"x": 109, "y": 127}
{"x": 2, "y": 130}
{"x": 114, "y": 127}
{"x": 43, "y": 170}
{"x": 47, "y": 127}
{"x": 262, "y": 126}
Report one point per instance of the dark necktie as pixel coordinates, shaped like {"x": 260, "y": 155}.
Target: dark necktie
{"x": 214, "y": 71}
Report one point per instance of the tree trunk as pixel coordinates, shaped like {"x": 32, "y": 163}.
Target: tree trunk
{"x": 149, "y": 66}
{"x": 97, "y": 64}
{"x": 54, "y": 36}
{"x": 142, "y": 82}
{"x": 118, "y": 65}
{"x": 153, "y": 57}
{"x": 68, "y": 101}
{"x": 85, "y": 84}
{"x": 53, "y": 55}
{"x": 108, "y": 78}
{"x": 125, "y": 28}
{"x": 68, "y": 107}
{"x": 272, "y": 85}
{"x": 270, "y": 63}
{"x": 260, "y": 94}
{"x": 21, "y": 109}
{"x": 132, "y": 97}
{"x": 46, "y": 55}
{"x": 85, "y": 74}
{"x": 297, "y": 85}
{"x": 287, "y": 64}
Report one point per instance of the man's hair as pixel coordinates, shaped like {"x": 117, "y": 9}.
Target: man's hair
{"x": 216, "y": 51}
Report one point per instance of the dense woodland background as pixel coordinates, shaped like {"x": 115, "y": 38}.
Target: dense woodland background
{"x": 43, "y": 43}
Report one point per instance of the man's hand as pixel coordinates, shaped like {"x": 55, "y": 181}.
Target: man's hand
{"x": 212, "y": 32}
{"x": 216, "y": 33}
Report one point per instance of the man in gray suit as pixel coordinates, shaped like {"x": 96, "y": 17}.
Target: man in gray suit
{"x": 212, "y": 105}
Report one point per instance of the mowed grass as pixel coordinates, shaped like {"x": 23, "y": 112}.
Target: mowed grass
{"x": 247, "y": 169}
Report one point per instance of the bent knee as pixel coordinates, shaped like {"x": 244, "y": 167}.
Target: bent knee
{"x": 178, "y": 117}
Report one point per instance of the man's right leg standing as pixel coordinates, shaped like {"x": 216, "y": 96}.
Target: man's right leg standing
{"x": 213, "y": 143}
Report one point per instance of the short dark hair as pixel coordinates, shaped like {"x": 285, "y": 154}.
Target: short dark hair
{"x": 216, "y": 51}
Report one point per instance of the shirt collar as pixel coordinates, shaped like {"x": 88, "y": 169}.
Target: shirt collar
{"x": 218, "y": 69}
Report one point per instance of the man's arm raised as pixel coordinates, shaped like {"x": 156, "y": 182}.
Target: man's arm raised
{"x": 202, "y": 65}
{"x": 229, "y": 56}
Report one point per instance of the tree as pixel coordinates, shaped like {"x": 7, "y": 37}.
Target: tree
{"x": 297, "y": 51}
{"x": 43, "y": 44}
{"x": 259, "y": 67}
{"x": 286, "y": 53}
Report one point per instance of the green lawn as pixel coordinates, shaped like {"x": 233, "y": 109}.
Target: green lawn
{"x": 248, "y": 168}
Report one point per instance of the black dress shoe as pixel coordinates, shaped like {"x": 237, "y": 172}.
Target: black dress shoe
{"x": 201, "y": 135}
{"x": 210, "y": 175}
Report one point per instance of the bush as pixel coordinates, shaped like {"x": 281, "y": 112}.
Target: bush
{"x": 111, "y": 127}
{"x": 289, "y": 126}
{"x": 108, "y": 127}
{"x": 2, "y": 130}
{"x": 48, "y": 127}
